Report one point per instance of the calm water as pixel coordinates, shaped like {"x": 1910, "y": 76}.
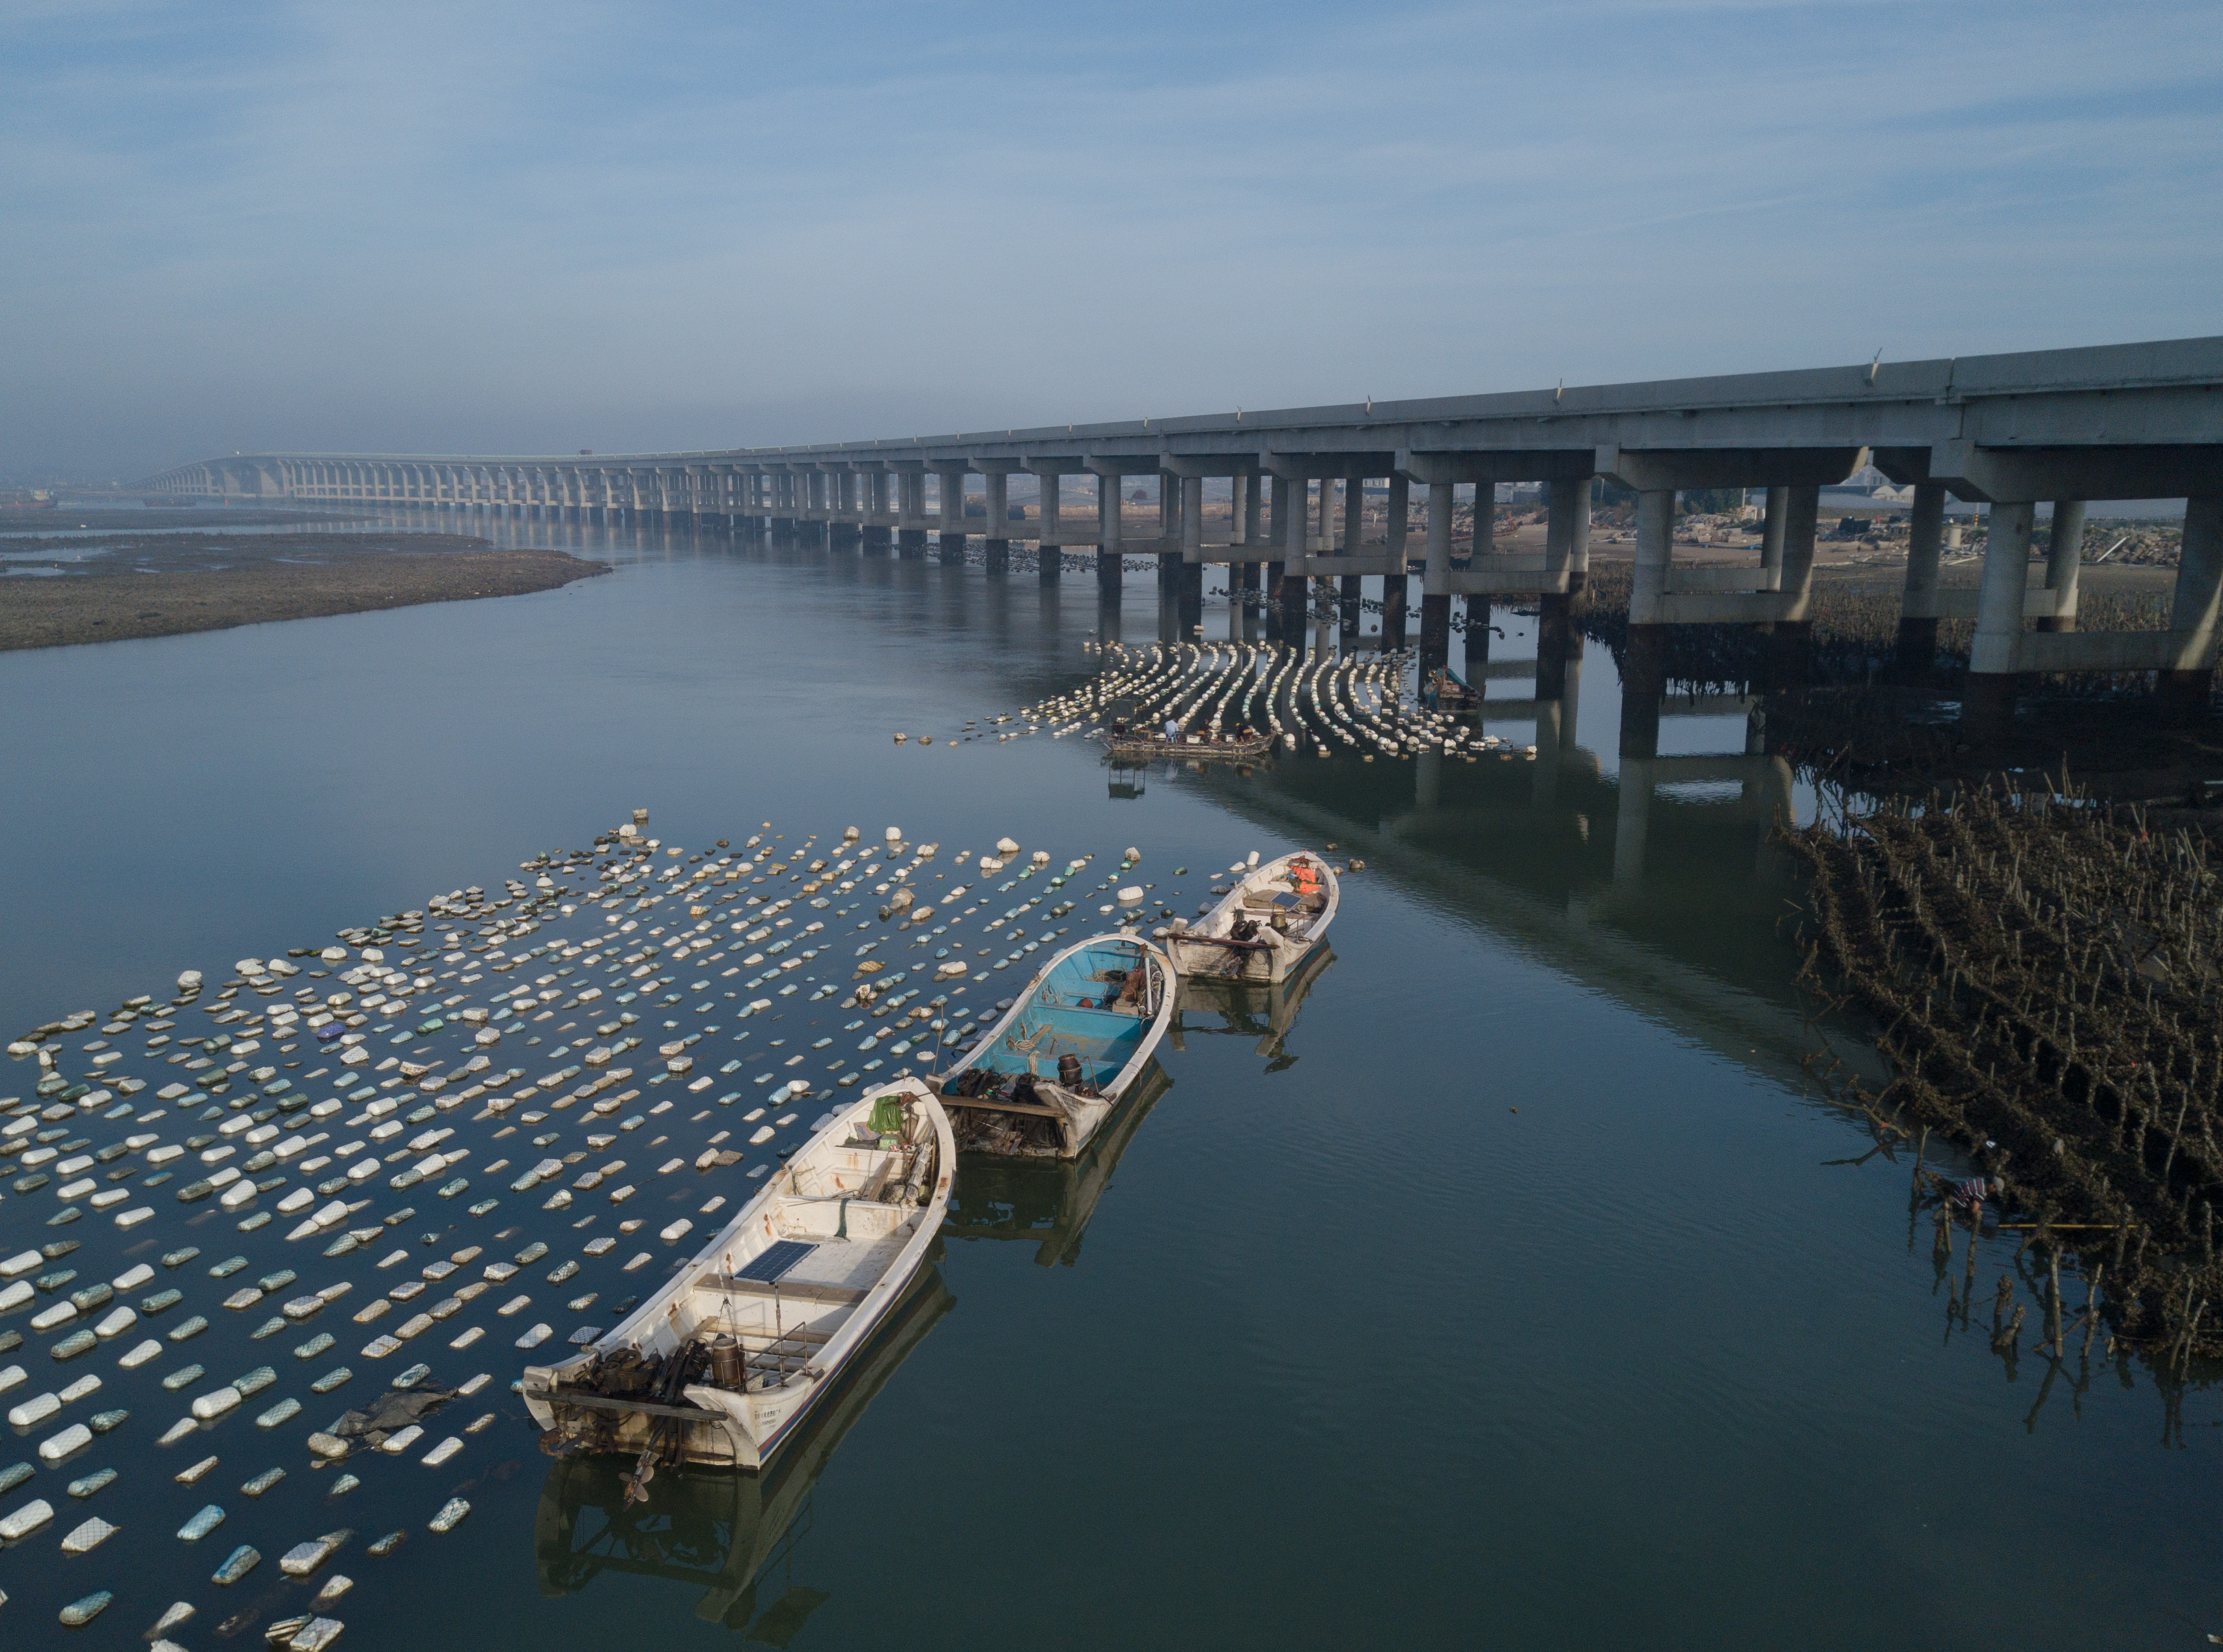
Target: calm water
{"x": 1330, "y": 1346}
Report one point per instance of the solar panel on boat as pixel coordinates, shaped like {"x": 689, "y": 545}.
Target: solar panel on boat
{"x": 776, "y": 1259}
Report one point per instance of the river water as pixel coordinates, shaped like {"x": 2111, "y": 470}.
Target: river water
{"x": 1508, "y": 1284}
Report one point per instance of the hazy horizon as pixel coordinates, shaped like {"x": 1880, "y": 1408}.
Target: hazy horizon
{"x": 303, "y": 227}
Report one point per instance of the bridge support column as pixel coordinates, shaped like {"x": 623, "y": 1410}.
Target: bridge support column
{"x": 2064, "y": 560}
{"x": 1436, "y": 609}
{"x": 1917, "y": 621}
{"x": 1395, "y": 586}
{"x": 1567, "y": 525}
{"x": 1349, "y": 587}
{"x": 1049, "y": 557}
{"x": 1643, "y": 660}
{"x": 997, "y": 548}
{"x": 1188, "y": 570}
{"x": 2185, "y": 690}
{"x": 1294, "y": 599}
{"x": 1643, "y": 682}
{"x": 1793, "y": 650}
{"x": 1632, "y": 816}
{"x": 952, "y": 514}
{"x": 1478, "y": 617}
{"x": 1110, "y": 570}
{"x": 1987, "y": 706}
{"x": 1189, "y": 597}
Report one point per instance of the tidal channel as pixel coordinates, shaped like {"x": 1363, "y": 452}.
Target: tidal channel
{"x": 1507, "y": 1283}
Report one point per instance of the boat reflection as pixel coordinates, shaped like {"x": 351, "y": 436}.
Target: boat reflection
{"x": 718, "y": 1531}
{"x": 1256, "y": 1010}
{"x": 1048, "y": 1200}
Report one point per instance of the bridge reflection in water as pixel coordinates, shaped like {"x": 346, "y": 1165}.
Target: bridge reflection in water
{"x": 724, "y": 1533}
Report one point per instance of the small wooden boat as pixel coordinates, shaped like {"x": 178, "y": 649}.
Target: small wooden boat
{"x": 1445, "y": 691}
{"x": 719, "y": 1365}
{"x": 1266, "y": 926}
{"x": 716, "y": 1532}
{"x": 1193, "y": 748}
{"x": 1042, "y": 1080}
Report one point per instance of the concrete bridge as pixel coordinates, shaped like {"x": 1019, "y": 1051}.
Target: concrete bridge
{"x": 2127, "y": 421}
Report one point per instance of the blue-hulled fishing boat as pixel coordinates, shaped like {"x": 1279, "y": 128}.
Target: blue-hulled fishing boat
{"x": 1042, "y": 1080}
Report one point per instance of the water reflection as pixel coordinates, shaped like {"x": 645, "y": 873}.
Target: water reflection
{"x": 1265, "y": 1010}
{"x": 1048, "y": 1201}
{"x": 732, "y": 1536}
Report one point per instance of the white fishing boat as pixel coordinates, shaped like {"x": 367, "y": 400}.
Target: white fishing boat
{"x": 717, "y": 1532}
{"x": 1267, "y": 926}
{"x": 1042, "y": 1080}
{"x": 721, "y": 1363}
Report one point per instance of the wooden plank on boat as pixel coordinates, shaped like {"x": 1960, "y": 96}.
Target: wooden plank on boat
{"x": 989, "y": 1104}
{"x": 603, "y": 1402}
{"x": 793, "y": 1290}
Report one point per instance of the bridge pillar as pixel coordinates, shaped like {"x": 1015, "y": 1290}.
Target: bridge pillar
{"x": 1349, "y": 587}
{"x": 1478, "y": 617}
{"x": 2064, "y": 560}
{"x": 1643, "y": 682}
{"x": 1189, "y": 595}
{"x": 1566, "y": 543}
{"x": 998, "y": 548}
{"x": 1632, "y": 816}
{"x": 1436, "y": 609}
{"x": 1792, "y": 651}
{"x": 953, "y": 513}
{"x": 1394, "y": 586}
{"x": 1296, "y": 589}
{"x": 1987, "y": 706}
{"x": 1049, "y": 556}
{"x": 1643, "y": 663}
{"x": 1917, "y": 621}
{"x": 1110, "y": 571}
{"x": 2185, "y": 690}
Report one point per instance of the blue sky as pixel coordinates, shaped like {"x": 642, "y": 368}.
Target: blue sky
{"x": 496, "y": 228}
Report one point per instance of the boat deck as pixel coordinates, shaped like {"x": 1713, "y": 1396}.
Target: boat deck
{"x": 1054, "y": 1024}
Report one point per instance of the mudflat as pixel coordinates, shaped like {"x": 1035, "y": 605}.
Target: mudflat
{"x": 91, "y": 590}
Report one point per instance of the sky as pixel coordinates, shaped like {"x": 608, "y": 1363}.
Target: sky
{"x": 509, "y": 229}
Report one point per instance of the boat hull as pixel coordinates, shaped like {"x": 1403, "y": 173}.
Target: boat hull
{"x": 796, "y": 1333}
{"x": 1066, "y": 1013}
{"x": 1210, "y": 949}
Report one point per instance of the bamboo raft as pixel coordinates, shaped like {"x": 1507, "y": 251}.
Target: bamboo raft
{"x": 1153, "y": 748}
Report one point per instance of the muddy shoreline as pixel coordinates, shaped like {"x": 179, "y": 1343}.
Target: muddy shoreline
{"x": 160, "y": 585}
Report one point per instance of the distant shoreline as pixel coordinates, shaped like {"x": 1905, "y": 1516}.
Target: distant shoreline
{"x": 158, "y": 587}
